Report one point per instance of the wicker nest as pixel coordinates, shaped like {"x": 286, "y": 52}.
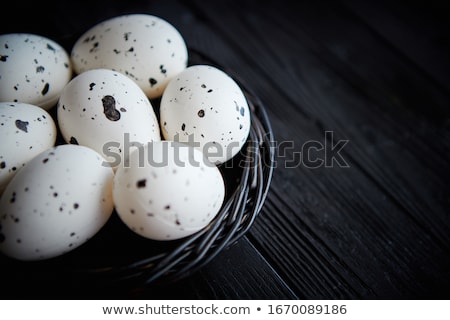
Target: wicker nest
{"x": 118, "y": 257}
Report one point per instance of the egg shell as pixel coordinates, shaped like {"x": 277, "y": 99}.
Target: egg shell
{"x": 59, "y": 200}
{"x": 26, "y": 131}
{"x": 146, "y": 48}
{"x": 106, "y": 111}
{"x": 205, "y": 107}
{"x": 167, "y": 191}
{"x": 33, "y": 69}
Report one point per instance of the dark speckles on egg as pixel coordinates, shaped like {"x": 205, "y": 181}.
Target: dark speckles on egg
{"x": 94, "y": 47}
{"x": 152, "y": 81}
{"x": 50, "y": 47}
{"x": 201, "y": 113}
{"x": 2, "y": 165}
{"x": 141, "y": 183}
{"x": 73, "y": 140}
{"x": 13, "y": 198}
{"x": 22, "y": 125}
{"x": 45, "y": 89}
{"x": 109, "y": 108}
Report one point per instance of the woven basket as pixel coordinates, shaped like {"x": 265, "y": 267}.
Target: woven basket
{"x": 116, "y": 257}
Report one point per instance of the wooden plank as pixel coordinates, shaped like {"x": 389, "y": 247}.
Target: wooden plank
{"x": 249, "y": 277}
{"x": 375, "y": 191}
{"x": 417, "y": 30}
{"x": 401, "y": 132}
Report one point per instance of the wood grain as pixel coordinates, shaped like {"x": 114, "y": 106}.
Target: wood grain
{"x": 360, "y": 209}
{"x": 375, "y": 74}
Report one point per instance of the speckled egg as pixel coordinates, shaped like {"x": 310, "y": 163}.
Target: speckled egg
{"x": 167, "y": 191}
{"x": 33, "y": 69}
{"x": 205, "y": 107}
{"x": 146, "y": 48}
{"x": 26, "y": 130}
{"x": 108, "y": 112}
{"x": 59, "y": 200}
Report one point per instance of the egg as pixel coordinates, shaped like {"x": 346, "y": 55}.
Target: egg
{"x": 146, "y": 48}
{"x": 58, "y": 201}
{"x": 26, "y": 131}
{"x": 33, "y": 69}
{"x": 205, "y": 107}
{"x": 106, "y": 111}
{"x": 167, "y": 191}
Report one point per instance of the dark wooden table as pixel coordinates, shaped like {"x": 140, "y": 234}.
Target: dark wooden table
{"x": 368, "y": 216}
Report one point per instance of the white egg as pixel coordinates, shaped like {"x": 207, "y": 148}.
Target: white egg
{"x": 33, "y": 69}
{"x": 205, "y": 107}
{"x": 26, "y": 131}
{"x": 146, "y": 48}
{"x": 167, "y": 191}
{"x": 106, "y": 111}
{"x": 59, "y": 200}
